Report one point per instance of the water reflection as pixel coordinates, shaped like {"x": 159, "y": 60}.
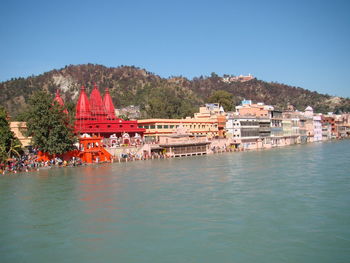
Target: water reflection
{"x": 282, "y": 205}
{"x": 98, "y": 191}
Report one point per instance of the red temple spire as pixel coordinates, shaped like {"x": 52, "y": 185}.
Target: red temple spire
{"x": 108, "y": 103}
{"x": 97, "y": 117}
{"x": 83, "y": 106}
{"x": 60, "y": 101}
{"x": 96, "y": 104}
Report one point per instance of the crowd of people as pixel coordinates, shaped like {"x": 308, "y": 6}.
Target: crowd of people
{"x": 133, "y": 156}
{"x": 224, "y": 148}
{"x": 29, "y": 162}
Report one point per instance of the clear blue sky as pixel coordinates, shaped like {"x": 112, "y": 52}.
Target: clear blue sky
{"x": 302, "y": 43}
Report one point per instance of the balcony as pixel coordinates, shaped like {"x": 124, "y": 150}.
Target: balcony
{"x": 265, "y": 129}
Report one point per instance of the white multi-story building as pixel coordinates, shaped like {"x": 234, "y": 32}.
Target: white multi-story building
{"x": 244, "y": 131}
{"x": 317, "y": 128}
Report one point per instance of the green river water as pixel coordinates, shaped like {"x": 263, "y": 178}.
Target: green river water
{"x": 282, "y": 205}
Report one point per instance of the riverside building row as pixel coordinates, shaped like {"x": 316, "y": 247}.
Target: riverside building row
{"x": 253, "y": 126}
{"x": 250, "y": 126}
{"x": 258, "y": 125}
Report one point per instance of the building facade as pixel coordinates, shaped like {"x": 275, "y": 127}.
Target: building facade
{"x": 19, "y": 128}
{"x": 96, "y": 116}
{"x": 244, "y": 131}
{"x": 154, "y": 128}
{"x": 276, "y": 128}
{"x": 317, "y": 128}
{"x": 209, "y": 121}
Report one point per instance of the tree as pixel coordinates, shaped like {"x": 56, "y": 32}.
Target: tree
{"x": 3, "y": 154}
{"x": 48, "y": 125}
{"x": 9, "y": 144}
{"x": 214, "y": 75}
{"x": 124, "y": 117}
{"x": 166, "y": 102}
{"x": 225, "y": 99}
{"x": 15, "y": 148}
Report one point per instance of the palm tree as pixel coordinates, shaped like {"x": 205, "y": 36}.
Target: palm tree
{"x": 3, "y": 153}
{"x": 14, "y": 148}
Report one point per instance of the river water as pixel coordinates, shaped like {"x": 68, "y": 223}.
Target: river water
{"x": 282, "y": 205}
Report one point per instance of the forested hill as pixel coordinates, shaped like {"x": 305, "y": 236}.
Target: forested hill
{"x": 174, "y": 97}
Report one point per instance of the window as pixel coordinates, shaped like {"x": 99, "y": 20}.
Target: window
{"x": 159, "y": 126}
{"x": 146, "y": 127}
{"x": 171, "y": 126}
{"x": 166, "y": 126}
{"x": 250, "y": 132}
{"x": 108, "y": 126}
{"x": 153, "y": 126}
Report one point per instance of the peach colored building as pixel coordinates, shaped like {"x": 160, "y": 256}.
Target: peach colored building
{"x": 247, "y": 108}
{"x": 19, "y": 128}
{"x": 342, "y": 125}
{"x": 183, "y": 144}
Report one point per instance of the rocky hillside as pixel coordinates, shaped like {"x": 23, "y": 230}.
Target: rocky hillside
{"x": 156, "y": 96}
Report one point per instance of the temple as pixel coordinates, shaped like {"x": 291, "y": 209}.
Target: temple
{"x": 96, "y": 116}
{"x": 59, "y": 100}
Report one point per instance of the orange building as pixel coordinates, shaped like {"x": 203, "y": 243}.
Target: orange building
{"x": 91, "y": 150}
{"x": 330, "y": 120}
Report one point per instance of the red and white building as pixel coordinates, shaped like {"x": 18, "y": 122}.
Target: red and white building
{"x": 96, "y": 116}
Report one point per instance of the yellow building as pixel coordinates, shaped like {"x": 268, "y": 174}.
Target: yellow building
{"x": 209, "y": 121}
{"x": 157, "y": 127}
{"x": 209, "y": 111}
{"x": 19, "y": 128}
